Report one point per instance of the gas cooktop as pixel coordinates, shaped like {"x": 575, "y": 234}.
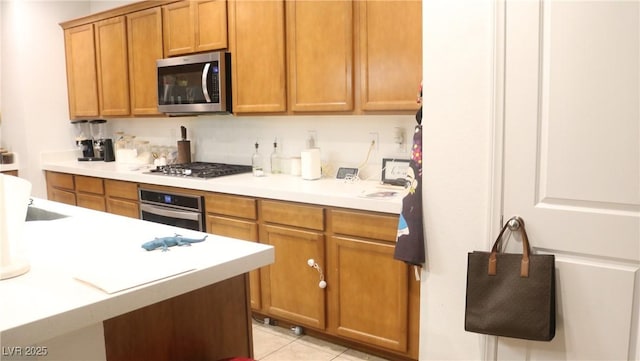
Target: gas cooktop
{"x": 201, "y": 170}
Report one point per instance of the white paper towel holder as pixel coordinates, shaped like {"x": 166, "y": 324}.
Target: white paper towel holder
{"x": 10, "y": 264}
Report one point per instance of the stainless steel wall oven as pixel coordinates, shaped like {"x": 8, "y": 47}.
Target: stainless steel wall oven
{"x": 175, "y": 209}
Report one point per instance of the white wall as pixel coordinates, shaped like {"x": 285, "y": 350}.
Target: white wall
{"x": 34, "y": 97}
{"x": 458, "y": 61}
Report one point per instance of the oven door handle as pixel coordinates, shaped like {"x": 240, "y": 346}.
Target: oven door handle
{"x": 163, "y": 211}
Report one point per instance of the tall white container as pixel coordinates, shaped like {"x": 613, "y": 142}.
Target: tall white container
{"x": 14, "y": 200}
{"x": 311, "y": 168}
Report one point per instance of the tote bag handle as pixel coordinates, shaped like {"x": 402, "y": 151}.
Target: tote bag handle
{"x": 524, "y": 264}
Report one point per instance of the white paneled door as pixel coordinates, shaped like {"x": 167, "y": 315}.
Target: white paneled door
{"x": 571, "y": 161}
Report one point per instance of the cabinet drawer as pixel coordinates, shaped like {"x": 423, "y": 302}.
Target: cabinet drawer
{"x": 89, "y": 184}
{"x": 234, "y": 228}
{"x": 368, "y": 225}
{"x": 90, "y": 201}
{"x": 58, "y": 195}
{"x": 229, "y": 205}
{"x": 121, "y": 189}
{"x": 60, "y": 180}
{"x": 292, "y": 214}
{"x": 123, "y": 208}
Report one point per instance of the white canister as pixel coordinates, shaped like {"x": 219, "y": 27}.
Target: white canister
{"x": 296, "y": 165}
{"x": 310, "y": 164}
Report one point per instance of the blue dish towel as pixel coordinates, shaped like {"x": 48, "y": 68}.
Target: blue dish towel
{"x": 410, "y": 241}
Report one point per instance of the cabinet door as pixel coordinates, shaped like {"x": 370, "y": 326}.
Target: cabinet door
{"x": 368, "y": 293}
{"x": 320, "y": 51}
{"x": 177, "y": 28}
{"x": 121, "y": 189}
{"x": 390, "y": 43}
{"x": 240, "y": 229}
{"x": 112, "y": 65}
{"x": 256, "y": 40}
{"x": 123, "y": 207}
{"x": 91, "y": 201}
{"x": 144, "y": 41}
{"x": 210, "y": 23}
{"x": 289, "y": 286}
{"x": 82, "y": 81}
{"x": 62, "y": 196}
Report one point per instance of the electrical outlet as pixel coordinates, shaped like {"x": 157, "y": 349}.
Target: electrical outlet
{"x": 373, "y": 138}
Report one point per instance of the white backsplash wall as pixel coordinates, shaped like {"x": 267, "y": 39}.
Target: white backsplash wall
{"x": 344, "y": 141}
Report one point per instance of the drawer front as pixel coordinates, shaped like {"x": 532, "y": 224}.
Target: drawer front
{"x": 293, "y": 214}
{"x": 121, "y": 189}
{"x": 369, "y": 225}
{"x": 60, "y": 180}
{"x": 123, "y": 208}
{"x": 91, "y": 201}
{"x": 230, "y": 205}
{"x": 233, "y": 228}
{"x": 89, "y": 185}
{"x": 58, "y": 195}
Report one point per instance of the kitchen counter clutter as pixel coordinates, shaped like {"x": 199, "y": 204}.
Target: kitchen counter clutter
{"x": 362, "y": 195}
{"x": 50, "y": 302}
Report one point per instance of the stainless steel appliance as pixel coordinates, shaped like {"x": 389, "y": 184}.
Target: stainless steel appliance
{"x": 180, "y": 210}
{"x": 199, "y": 83}
{"x": 203, "y": 170}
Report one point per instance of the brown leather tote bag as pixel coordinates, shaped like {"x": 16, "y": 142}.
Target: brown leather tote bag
{"x": 511, "y": 294}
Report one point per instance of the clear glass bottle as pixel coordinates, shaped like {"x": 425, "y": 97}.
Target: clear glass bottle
{"x": 256, "y": 163}
{"x": 275, "y": 159}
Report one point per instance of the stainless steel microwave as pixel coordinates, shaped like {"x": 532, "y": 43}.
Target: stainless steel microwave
{"x": 199, "y": 83}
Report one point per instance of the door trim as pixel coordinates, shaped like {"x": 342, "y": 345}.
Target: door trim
{"x": 489, "y": 344}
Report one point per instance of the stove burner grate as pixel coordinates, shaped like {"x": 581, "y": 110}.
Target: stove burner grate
{"x": 201, "y": 169}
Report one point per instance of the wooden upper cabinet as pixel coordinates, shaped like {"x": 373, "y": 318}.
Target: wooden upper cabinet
{"x": 257, "y": 45}
{"x": 144, "y": 41}
{"x": 112, "y": 65}
{"x": 320, "y": 55}
{"x": 390, "y": 54}
{"x": 210, "y": 23}
{"x": 194, "y": 26}
{"x": 81, "y": 71}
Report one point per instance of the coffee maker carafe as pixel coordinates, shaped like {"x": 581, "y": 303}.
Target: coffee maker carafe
{"x": 83, "y": 139}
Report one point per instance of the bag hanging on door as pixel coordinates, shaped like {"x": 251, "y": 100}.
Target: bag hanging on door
{"x": 509, "y": 294}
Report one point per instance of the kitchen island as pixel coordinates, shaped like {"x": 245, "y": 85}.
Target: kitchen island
{"x": 93, "y": 293}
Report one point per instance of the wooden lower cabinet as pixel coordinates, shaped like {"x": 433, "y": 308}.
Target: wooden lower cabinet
{"x": 235, "y": 216}
{"x": 10, "y": 172}
{"x": 289, "y": 286}
{"x": 122, "y": 198}
{"x": 61, "y": 187}
{"x": 210, "y": 323}
{"x": 368, "y": 293}
{"x": 90, "y": 192}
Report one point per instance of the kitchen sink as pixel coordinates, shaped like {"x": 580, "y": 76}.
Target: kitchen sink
{"x": 39, "y": 214}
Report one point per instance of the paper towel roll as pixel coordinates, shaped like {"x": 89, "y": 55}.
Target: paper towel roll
{"x": 311, "y": 167}
{"x": 14, "y": 200}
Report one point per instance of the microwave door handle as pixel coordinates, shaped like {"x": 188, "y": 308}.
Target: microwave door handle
{"x": 205, "y": 91}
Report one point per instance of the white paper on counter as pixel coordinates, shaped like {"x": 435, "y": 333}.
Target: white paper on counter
{"x": 113, "y": 275}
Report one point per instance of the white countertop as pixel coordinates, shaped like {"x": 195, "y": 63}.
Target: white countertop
{"x": 324, "y": 191}
{"x": 49, "y": 301}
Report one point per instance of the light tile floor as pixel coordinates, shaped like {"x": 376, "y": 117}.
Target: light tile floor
{"x": 273, "y": 343}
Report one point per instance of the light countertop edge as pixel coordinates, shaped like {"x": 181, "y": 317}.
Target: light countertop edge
{"x": 324, "y": 191}
{"x": 66, "y": 305}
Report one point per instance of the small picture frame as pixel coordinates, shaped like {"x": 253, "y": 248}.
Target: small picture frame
{"x": 394, "y": 170}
